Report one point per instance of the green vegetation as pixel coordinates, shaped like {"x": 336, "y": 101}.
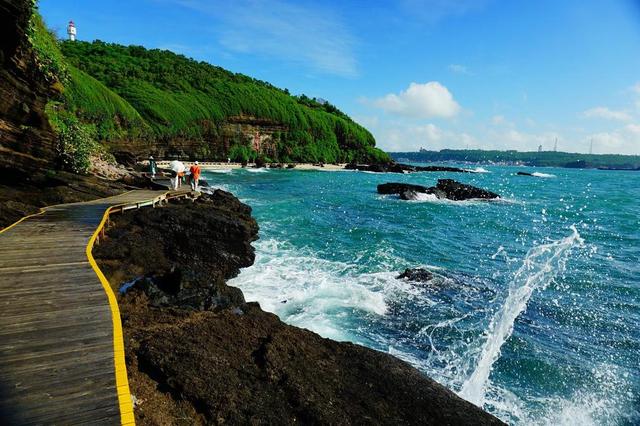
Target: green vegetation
{"x": 107, "y": 93}
{"x": 48, "y": 58}
{"x": 132, "y": 92}
{"x": 76, "y": 142}
{"x": 541, "y": 159}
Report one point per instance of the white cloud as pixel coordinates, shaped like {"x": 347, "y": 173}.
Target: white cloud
{"x": 400, "y": 137}
{"x": 309, "y": 35}
{"x": 621, "y": 141}
{"x": 607, "y": 114}
{"x": 426, "y": 100}
{"x": 459, "y": 69}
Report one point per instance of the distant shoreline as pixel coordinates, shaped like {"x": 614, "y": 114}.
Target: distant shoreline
{"x": 528, "y": 159}
{"x": 213, "y": 165}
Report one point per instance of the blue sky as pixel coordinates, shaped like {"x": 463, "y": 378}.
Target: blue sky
{"x": 491, "y": 74}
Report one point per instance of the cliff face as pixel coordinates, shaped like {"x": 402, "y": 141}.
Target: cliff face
{"x": 259, "y": 134}
{"x": 26, "y": 139}
{"x": 197, "y": 353}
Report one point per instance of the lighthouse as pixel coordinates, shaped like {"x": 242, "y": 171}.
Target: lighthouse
{"x": 71, "y": 31}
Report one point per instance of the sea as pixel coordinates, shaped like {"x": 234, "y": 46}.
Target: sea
{"x": 534, "y": 309}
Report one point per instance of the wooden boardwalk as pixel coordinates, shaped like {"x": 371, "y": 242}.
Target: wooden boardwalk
{"x": 61, "y": 348}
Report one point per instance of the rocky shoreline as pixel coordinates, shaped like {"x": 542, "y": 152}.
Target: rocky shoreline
{"x": 444, "y": 189}
{"x": 197, "y": 353}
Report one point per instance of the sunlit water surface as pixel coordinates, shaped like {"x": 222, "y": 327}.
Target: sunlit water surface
{"x": 534, "y": 312}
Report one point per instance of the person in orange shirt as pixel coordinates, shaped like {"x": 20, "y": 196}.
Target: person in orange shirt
{"x": 195, "y": 175}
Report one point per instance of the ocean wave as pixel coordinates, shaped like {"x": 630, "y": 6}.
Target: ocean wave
{"x": 260, "y": 170}
{"x": 225, "y": 171}
{"x": 542, "y": 175}
{"x": 310, "y": 292}
{"x": 478, "y": 170}
{"x": 432, "y": 198}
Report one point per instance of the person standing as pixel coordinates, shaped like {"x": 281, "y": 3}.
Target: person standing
{"x": 195, "y": 175}
{"x": 153, "y": 167}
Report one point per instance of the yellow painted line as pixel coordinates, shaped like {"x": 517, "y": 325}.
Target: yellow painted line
{"x": 24, "y": 218}
{"x": 122, "y": 382}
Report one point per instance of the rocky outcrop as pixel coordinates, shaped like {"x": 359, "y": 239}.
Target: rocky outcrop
{"x": 227, "y": 361}
{"x": 260, "y": 134}
{"x": 398, "y": 187}
{"x": 524, "y": 174}
{"x": 402, "y": 168}
{"x": 24, "y": 192}
{"x": 445, "y": 188}
{"x": 417, "y": 275}
{"x": 459, "y": 191}
{"x": 26, "y": 139}
{"x": 187, "y": 256}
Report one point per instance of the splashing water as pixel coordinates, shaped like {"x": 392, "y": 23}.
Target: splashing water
{"x": 542, "y": 175}
{"x": 540, "y": 266}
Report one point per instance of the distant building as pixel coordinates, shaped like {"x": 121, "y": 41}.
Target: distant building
{"x": 321, "y": 101}
{"x": 539, "y": 148}
{"x": 71, "y": 31}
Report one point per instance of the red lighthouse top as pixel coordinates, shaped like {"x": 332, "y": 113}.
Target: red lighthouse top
{"x": 71, "y": 24}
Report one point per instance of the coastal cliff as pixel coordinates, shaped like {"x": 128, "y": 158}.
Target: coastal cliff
{"x": 26, "y": 139}
{"x": 197, "y": 352}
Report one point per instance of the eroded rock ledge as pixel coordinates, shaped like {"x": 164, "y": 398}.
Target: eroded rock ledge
{"x": 199, "y": 354}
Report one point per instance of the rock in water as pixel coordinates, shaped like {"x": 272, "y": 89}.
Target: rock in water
{"x": 409, "y": 195}
{"x": 524, "y": 174}
{"x": 446, "y": 188}
{"x": 417, "y": 274}
{"x": 397, "y": 188}
{"x": 460, "y": 191}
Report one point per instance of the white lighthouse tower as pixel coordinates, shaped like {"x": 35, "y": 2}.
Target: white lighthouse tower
{"x": 71, "y": 31}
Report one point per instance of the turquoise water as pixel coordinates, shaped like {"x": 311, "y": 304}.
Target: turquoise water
{"x": 534, "y": 313}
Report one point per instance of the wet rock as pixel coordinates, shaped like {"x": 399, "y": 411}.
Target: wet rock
{"x": 417, "y": 274}
{"x": 188, "y": 249}
{"x": 398, "y": 187}
{"x": 253, "y": 368}
{"x": 524, "y": 174}
{"x": 377, "y": 168}
{"x": 446, "y": 188}
{"x": 402, "y": 168}
{"x": 459, "y": 191}
{"x": 409, "y": 195}
{"x": 441, "y": 169}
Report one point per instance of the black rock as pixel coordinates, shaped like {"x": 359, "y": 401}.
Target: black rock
{"x": 398, "y": 187}
{"x": 524, "y": 174}
{"x": 402, "y": 168}
{"x": 446, "y": 188}
{"x": 441, "y": 169}
{"x": 409, "y": 195}
{"x": 417, "y": 274}
{"x": 460, "y": 191}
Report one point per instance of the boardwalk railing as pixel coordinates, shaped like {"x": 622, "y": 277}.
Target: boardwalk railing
{"x": 60, "y": 360}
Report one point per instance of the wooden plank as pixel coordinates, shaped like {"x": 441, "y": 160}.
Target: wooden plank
{"x": 56, "y": 335}
{"x": 59, "y": 386}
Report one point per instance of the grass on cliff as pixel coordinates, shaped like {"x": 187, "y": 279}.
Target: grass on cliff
{"x": 159, "y": 94}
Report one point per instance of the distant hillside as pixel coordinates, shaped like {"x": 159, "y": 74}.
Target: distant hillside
{"x": 540, "y": 159}
{"x": 191, "y": 108}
